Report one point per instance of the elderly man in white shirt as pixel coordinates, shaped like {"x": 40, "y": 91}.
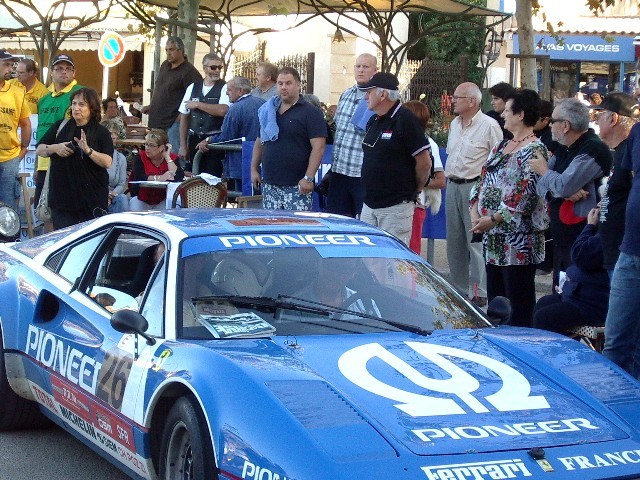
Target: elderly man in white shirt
{"x": 472, "y": 135}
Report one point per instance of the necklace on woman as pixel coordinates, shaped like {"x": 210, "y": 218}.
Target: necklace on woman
{"x": 523, "y": 138}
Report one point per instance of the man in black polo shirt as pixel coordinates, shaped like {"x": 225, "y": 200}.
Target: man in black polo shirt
{"x": 290, "y": 146}
{"x": 397, "y": 159}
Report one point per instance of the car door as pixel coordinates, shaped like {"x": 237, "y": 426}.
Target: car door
{"x": 94, "y": 371}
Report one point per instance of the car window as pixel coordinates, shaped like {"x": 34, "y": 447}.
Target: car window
{"x": 366, "y": 294}
{"x": 78, "y": 257}
{"x": 123, "y": 273}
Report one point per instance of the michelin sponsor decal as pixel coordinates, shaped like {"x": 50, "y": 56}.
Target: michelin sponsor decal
{"x": 513, "y": 468}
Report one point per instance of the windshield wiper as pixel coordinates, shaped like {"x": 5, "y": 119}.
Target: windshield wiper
{"x": 271, "y": 305}
{"x": 393, "y": 323}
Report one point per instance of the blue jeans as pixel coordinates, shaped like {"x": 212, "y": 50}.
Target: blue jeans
{"x": 9, "y": 182}
{"x": 173, "y": 132}
{"x": 119, "y": 203}
{"x": 622, "y": 329}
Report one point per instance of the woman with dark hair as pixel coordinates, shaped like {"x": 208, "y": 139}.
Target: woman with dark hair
{"x": 507, "y": 211}
{"x": 81, "y": 150}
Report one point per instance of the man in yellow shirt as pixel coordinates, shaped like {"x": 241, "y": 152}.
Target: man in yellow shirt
{"x": 14, "y": 113}
{"x": 27, "y": 77}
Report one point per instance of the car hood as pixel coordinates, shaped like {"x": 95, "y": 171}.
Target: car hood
{"x": 451, "y": 392}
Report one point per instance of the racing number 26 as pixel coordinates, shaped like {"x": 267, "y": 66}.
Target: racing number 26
{"x": 113, "y": 378}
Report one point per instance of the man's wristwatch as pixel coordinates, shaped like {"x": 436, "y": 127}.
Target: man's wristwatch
{"x": 309, "y": 179}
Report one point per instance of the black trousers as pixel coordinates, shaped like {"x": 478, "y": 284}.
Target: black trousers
{"x": 551, "y": 313}
{"x": 517, "y": 283}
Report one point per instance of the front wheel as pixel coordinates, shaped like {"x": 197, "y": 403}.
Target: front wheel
{"x": 187, "y": 453}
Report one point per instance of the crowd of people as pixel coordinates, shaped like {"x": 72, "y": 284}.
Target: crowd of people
{"x": 530, "y": 186}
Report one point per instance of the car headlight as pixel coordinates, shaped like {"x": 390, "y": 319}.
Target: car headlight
{"x": 9, "y": 222}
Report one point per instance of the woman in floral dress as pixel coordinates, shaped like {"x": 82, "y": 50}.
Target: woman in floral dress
{"x": 509, "y": 214}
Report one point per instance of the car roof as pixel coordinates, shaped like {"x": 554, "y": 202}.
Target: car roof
{"x": 197, "y": 222}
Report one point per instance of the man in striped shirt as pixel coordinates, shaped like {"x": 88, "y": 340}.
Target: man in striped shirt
{"x": 346, "y": 193}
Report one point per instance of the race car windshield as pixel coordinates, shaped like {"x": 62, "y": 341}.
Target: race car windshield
{"x": 312, "y": 291}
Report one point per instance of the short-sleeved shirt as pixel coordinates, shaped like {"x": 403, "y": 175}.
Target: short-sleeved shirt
{"x": 34, "y": 94}
{"x": 631, "y": 161}
{"x": 285, "y": 160}
{"x": 171, "y": 83}
{"x": 390, "y": 146}
{"x": 77, "y": 182}
{"x": 13, "y": 108}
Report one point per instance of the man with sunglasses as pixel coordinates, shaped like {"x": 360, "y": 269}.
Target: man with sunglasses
{"x": 175, "y": 75}
{"x": 570, "y": 180}
{"x": 202, "y": 110}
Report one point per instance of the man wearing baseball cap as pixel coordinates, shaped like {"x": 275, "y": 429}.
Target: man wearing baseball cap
{"x": 53, "y": 107}
{"x": 397, "y": 159}
{"x": 14, "y": 113}
{"x": 615, "y": 116}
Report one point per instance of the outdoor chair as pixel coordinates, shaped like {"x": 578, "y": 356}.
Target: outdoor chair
{"x": 197, "y": 193}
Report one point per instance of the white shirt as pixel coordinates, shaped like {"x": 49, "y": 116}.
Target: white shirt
{"x": 224, "y": 98}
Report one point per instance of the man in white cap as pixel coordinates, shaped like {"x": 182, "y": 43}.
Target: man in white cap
{"x": 397, "y": 159}
{"x": 14, "y": 113}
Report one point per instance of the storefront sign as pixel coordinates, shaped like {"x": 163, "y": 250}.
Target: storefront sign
{"x": 583, "y": 47}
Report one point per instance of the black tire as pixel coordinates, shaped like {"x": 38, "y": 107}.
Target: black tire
{"x": 16, "y": 413}
{"x": 186, "y": 453}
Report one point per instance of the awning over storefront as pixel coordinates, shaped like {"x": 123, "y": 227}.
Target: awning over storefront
{"x": 83, "y": 42}
{"x": 595, "y": 48}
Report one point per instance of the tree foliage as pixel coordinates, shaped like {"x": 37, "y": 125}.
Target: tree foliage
{"x": 450, "y": 38}
{"x": 53, "y": 22}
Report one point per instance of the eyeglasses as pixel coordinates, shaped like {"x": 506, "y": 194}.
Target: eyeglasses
{"x": 600, "y": 113}
{"x": 554, "y": 120}
{"x": 213, "y": 67}
{"x": 151, "y": 145}
{"x": 63, "y": 69}
{"x": 455, "y": 97}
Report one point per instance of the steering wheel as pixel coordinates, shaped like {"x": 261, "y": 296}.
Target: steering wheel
{"x": 365, "y": 297}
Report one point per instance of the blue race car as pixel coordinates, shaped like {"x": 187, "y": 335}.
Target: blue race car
{"x": 240, "y": 344}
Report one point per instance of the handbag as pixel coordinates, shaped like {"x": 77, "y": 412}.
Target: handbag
{"x": 42, "y": 211}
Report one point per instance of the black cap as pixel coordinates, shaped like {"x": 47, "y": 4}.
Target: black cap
{"x": 63, "y": 58}
{"x": 4, "y": 55}
{"x": 619, "y": 103}
{"x": 387, "y": 81}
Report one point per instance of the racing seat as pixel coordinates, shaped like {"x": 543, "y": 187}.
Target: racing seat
{"x": 143, "y": 272}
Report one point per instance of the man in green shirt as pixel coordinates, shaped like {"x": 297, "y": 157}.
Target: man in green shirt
{"x": 53, "y": 107}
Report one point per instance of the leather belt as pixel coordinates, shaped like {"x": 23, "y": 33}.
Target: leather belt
{"x": 464, "y": 180}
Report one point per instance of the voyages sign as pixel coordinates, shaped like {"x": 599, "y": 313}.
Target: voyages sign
{"x": 583, "y": 47}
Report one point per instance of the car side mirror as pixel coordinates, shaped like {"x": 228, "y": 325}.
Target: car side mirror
{"x": 130, "y": 321}
{"x": 499, "y": 310}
